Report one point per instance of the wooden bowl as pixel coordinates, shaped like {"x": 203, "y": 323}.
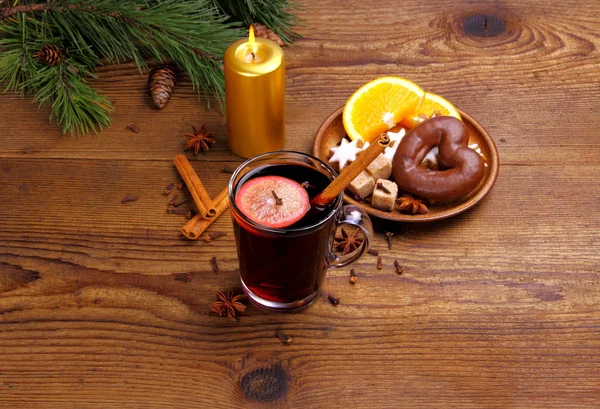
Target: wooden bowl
{"x": 332, "y": 131}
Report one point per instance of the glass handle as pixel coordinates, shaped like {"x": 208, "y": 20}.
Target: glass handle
{"x": 355, "y": 216}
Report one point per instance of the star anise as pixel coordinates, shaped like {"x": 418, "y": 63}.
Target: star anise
{"x": 410, "y": 204}
{"x": 229, "y": 305}
{"x": 348, "y": 242}
{"x": 199, "y": 141}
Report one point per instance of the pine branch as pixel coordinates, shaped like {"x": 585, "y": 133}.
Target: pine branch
{"x": 7, "y": 12}
{"x": 166, "y": 30}
{"x": 275, "y": 14}
{"x": 193, "y": 34}
{"x": 27, "y": 8}
{"x": 75, "y": 105}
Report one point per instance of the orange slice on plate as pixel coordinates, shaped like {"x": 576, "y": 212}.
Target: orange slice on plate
{"x": 379, "y": 105}
{"x": 431, "y": 104}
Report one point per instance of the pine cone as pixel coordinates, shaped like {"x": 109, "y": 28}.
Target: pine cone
{"x": 260, "y": 30}
{"x": 161, "y": 82}
{"x": 49, "y": 55}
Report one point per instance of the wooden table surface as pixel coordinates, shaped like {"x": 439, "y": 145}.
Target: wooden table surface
{"x": 497, "y": 308}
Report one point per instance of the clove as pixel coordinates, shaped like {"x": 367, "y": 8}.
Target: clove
{"x": 399, "y": 268}
{"x": 382, "y": 187}
{"x": 167, "y": 191}
{"x": 133, "y": 127}
{"x": 334, "y": 301}
{"x": 215, "y": 266}
{"x": 388, "y": 237}
{"x": 210, "y": 237}
{"x": 379, "y": 263}
{"x": 373, "y": 252}
{"x": 278, "y": 200}
{"x": 227, "y": 170}
{"x": 185, "y": 277}
{"x": 353, "y": 277}
{"x": 184, "y": 200}
{"x": 172, "y": 201}
{"x": 176, "y": 210}
{"x": 285, "y": 339}
{"x": 129, "y": 198}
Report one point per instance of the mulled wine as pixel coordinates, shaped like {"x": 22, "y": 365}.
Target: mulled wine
{"x": 290, "y": 267}
{"x": 284, "y": 245}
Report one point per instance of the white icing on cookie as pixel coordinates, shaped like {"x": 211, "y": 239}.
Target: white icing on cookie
{"x": 395, "y": 138}
{"x": 345, "y": 153}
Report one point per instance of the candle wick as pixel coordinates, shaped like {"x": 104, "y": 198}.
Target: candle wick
{"x": 253, "y": 56}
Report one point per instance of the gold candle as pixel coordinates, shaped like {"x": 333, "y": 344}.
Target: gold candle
{"x": 255, "y": 96}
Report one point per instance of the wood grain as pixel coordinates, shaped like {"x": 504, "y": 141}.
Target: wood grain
{"x": 104, "y": 304}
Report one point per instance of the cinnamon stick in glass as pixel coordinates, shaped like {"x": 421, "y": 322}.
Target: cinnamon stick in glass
{"x": 348, "y": 174}
{"x": 203, "y": 201}
{"x": 194, "y": 228}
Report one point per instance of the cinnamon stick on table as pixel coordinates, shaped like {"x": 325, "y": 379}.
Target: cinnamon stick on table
{"x": 199, "y": 194}
{"x": 352, "y": 171}
{"x": 194, "y": 228}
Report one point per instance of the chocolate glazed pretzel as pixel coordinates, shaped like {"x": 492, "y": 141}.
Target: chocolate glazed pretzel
{"x": 463, "y": 167}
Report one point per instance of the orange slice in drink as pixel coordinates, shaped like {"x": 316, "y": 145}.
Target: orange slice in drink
{"x": 379, "y": 105}
{"x": 431, "y": 104}
{"x": 273, "y": 201}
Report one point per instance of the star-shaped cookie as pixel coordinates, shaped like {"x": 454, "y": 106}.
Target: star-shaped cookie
{"x": 345, "y": 153}
{"x": 395, "y": 138}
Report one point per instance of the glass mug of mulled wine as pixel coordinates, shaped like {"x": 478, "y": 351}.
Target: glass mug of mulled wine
{"x": 284, "y": 245}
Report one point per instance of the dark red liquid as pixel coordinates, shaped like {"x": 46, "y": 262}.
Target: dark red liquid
{"x": 286, "y": 267}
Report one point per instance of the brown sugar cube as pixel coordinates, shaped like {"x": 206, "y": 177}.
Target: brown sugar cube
{"x": 384, "y": 195}
{"x": 363, "y": 185}
{"x": 380, "y": 168}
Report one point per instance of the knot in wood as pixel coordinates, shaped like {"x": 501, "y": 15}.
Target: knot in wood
{"x": 265, "y": 384}
{"x": 483, "y": 25}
